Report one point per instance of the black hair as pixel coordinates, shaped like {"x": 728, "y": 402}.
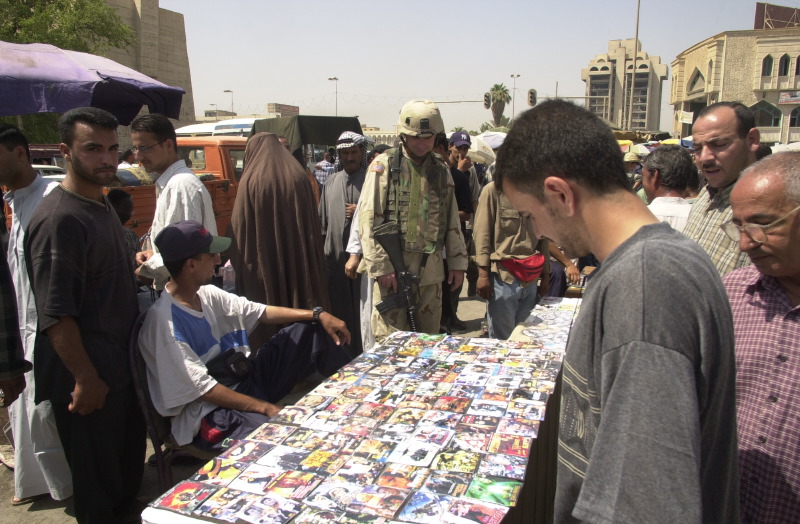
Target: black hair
{"x": 11, "y": 137}
{"x": 157, "y": 124}
{"x": 92, "y": 116}
{"x": 127, "y": 153}
{"x": 175, "y": 267}
{"x": 116, "y": 196}
{"x": 763, "y": 151}
{"x": 441, "y": 141}
{"x": 745, "y": 119}
{"x": 558, "y": 138}
{"x": 674, "y": 165}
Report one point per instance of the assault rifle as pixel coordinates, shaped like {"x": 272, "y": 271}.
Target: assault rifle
{"x": 388, "y": 236}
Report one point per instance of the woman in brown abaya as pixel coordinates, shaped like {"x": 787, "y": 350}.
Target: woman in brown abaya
{"x": 277, "y": 237}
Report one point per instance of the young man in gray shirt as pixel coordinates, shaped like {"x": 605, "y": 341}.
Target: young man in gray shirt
{"x": 648, "y": 417}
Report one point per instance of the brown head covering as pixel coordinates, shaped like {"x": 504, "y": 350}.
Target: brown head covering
{"x": 277, "y": 236}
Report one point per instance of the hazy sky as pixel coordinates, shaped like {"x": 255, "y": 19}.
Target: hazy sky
{"x": 386, "y": 53}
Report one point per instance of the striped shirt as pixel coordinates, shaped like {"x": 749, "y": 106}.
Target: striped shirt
{"x": 711, "y": 210}
{"x": 767, "y": 332}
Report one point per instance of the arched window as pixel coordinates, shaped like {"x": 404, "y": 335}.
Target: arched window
{"x": 797, "y": 66}
{"x": 592, "y": 69}
{"x": 794, "y": 117}
{"x": 697, "y": 82}
{"x": 604, "y": 68}
{"x": 767, "y": 115}
{"x": 642, "y": 66}
{"x": 766, "y": 66}
{"x": 783, "y": 66}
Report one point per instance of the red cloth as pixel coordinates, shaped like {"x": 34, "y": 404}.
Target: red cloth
{"x": 525, "y": 269}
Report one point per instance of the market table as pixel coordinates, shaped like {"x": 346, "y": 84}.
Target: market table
{"x": 424, "y": 428}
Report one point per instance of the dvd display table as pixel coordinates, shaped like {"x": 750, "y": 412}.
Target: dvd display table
{"x": 424, "y": 428}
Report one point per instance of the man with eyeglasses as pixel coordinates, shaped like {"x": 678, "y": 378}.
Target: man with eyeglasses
{"x": 765, "y": 300}
{"x": 725, "y": 140}
{"x": 180, "y": 193}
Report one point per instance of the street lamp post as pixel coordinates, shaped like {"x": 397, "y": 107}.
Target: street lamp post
{"x": 231, "y": 92}
{"x": 336, "y": 80}
{"x": 514, "y": 96}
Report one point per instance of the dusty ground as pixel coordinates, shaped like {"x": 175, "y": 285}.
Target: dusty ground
{"x": 48, "y": 511}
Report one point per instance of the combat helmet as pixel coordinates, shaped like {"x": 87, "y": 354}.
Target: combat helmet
{"x": 420, "y": 118}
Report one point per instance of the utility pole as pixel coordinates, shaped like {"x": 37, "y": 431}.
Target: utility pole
{"x": 336, "y": 80}
{"x": 514, "y": 96}
{"x": 633, "y": 74}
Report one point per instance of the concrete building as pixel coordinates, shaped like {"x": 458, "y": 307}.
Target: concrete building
{"x": 159, "y": 52}
{"x": 760, "y": 68}
{"x": 608, "y": 81}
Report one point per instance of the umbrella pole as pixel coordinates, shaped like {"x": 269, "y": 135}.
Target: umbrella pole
{"x": 19, "y": 123}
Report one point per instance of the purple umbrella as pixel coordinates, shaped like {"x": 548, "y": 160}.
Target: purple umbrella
{"x": 40, "y": 78}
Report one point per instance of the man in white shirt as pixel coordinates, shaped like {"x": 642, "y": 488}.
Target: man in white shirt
{"x": 193, "y": 325}
{"x": 180, "y": 193}
{"x": 41, "y": 467}
{"x": 666, "y": 173}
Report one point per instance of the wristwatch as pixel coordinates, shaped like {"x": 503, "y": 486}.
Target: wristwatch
{"x": 317, "y": 312}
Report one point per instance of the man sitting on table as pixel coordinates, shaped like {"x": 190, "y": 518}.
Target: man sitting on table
{"x": 192, "y": 323}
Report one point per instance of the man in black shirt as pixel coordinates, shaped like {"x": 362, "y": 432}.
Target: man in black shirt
{"x": 86, "y": 304}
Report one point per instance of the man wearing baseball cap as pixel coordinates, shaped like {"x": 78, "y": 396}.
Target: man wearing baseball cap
{"x": 194, "y": 343}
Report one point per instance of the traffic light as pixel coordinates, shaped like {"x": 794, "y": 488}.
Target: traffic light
{"x": 487, "y": 101}
{"x": 531, "y": 97}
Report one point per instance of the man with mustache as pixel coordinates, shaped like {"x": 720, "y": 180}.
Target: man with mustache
{"x": 725, "y": 140}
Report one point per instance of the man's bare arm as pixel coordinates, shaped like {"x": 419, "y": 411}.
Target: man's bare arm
{"x": 90, "y": 390}
{"x": 227, "y": 398}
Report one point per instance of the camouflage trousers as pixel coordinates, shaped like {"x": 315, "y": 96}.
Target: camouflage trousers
{"x": 429, "y": 312}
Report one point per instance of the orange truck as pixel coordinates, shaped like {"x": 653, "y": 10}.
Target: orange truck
{"x": 217, "y": 160}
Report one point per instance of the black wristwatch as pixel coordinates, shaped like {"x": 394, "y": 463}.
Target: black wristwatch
{"x": 317, "y": 312}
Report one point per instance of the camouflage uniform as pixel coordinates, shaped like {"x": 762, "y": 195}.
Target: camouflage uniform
{"x": 428, "y": 220}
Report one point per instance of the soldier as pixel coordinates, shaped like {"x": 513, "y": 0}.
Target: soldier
{"x": 411, "y": 186}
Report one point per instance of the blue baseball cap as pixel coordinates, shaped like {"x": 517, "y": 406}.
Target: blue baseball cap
{"x": 460, "y": 138}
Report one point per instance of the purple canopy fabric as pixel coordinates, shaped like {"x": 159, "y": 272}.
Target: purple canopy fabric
{"x": 40, "y": 78}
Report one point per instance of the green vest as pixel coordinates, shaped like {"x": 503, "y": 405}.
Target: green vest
{"x": 418, "y": 200}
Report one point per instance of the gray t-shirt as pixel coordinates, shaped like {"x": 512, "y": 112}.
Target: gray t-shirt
{"x": 648, "y": 414}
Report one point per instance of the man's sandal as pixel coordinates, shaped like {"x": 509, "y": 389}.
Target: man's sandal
{"x": 27, "y": 500}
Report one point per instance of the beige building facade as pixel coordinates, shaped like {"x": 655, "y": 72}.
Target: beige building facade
{"x": 760, "y": 68}
{"x": 159, "y": 52}
{"x": 610, "y": 78}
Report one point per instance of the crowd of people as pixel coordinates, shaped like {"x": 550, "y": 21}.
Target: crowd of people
{"x": 678, "y": 382}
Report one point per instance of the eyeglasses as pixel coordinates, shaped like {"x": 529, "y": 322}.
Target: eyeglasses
{"x": 145, "y": 149}
{"x": 756, "y": 232}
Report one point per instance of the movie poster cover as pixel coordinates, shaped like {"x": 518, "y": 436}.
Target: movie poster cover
{"x": 332, "y": 495}
{"x": 425, "y": 507}
{"x": 433, "y": 388}
{"x": 317, "y": 516}
{"x": 454, "y": 404}
{"x": 440, "y": 419}
{"x": 507, "y": 466}
{"x": 519, "y": 426}
{"x": 226, "y": 504}
{"x": 246, "y": 451}
{"x": 316, "y": 402}
{"x": 357, "y": 426}
{"x": 322, "y": 421}
{"x": 285, "y": 457}
{"x": 489, "y": 408}
{"x": 402, "y": 476}
{"x": 374, "y": 410}
{"x": 294, "y": 484}
{"x": 219, "y": 471}
{"x": 496, "y": 490}
{"x": 358, "y": 470}
{"x": 305, "y": 438}
{"x": 256, "y": 478}
{"x": 293, "y": 415}
{"x": 414, "y": 400}
{"x": 433, "y": 435}
{"x": 374, "y": 449}
{"x": 457, "y": 460}
{"x": 477, "y": 423}
{"x": 476, "y": 442}
{"x": 271, "y": 433}
{"x": 323, "y": 462}
{"x": 526, "y": 409}
{"x": 414, "y": 453}
{"x": 270, "y": 509}
{"x": 185, "y": 497}
{"x": 378, "y": 500}
{"x": 510, "y": 445}
{"x": 408, "y": 416}
{"x": 447, "y": 483}
{"x": 468, "y": 512}
{"x": 384, "y": 396}
{"x": 393, "y": 432}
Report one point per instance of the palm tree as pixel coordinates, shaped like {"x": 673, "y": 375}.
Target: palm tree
{"x": 500, "y": 97}
{"x": 457, "y": 129}
{"x": 504, "y": 122}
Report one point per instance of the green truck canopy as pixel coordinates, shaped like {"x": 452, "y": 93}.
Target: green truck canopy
{"x": 304, "y": 129}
